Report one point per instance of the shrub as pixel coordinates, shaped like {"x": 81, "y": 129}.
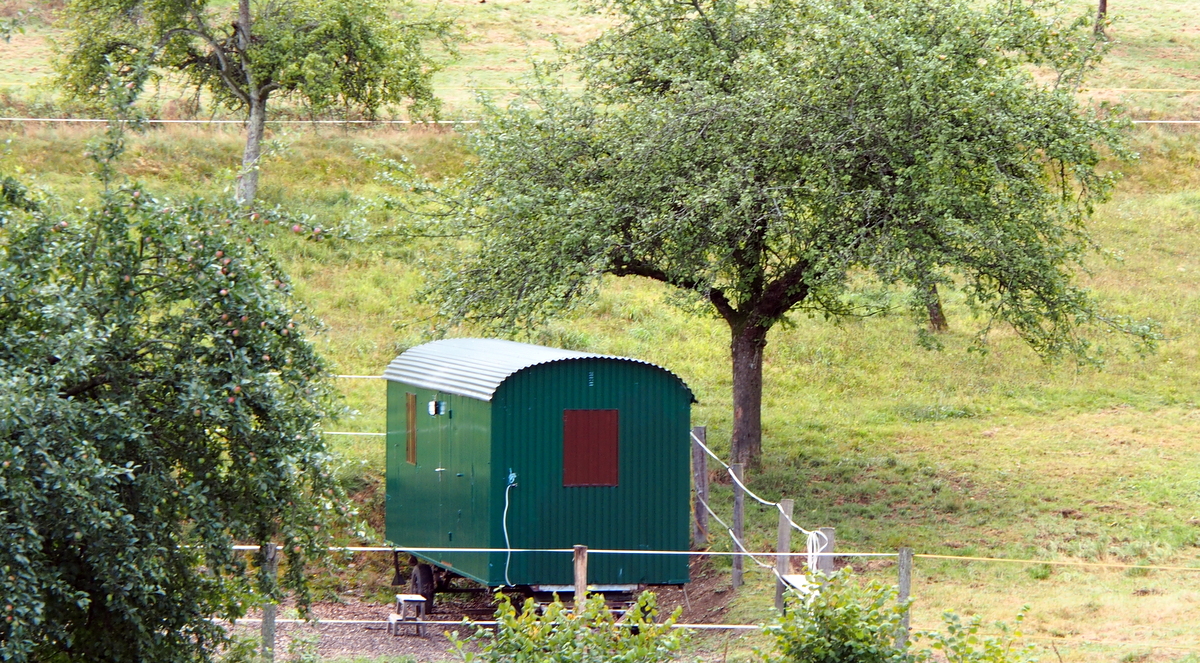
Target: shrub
{"x": 554, "y": 633}
{"x": 961, "y": 643}
{"x": 842, "y": 622}
{"x": 845, "y": 621}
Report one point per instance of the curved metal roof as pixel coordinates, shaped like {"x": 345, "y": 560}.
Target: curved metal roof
{"x": 476, "y": 367}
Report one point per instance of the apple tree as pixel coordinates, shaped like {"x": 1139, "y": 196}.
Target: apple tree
{"x": 766, "y": 158}
{"x": 361, "y": 54}
{"x": 159, "y": 402}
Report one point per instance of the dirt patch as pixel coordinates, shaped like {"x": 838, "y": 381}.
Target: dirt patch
{"x": 704, "y": 600}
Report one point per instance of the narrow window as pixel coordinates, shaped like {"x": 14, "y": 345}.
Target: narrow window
{"x": 589, "y": 447}
{"x": 412, "y": 428}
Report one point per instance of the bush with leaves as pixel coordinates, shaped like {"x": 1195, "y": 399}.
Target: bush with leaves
{"x": 962, "y": 643}
{"x": 159, "y": 402}
{"x": 555, "y": 633}
{"x": 841, "y": 622}
{"x": 844, "y": 620}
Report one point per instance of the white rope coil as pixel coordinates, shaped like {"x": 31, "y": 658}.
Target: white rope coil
{"x": 815, "y": 540}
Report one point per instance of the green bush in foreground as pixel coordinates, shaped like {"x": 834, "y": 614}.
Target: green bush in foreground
{"x": 962, "y": 643}
{"x": 848, "y": 621}
{"x": 843, "y": 622}
{"x": 559, "y": 634}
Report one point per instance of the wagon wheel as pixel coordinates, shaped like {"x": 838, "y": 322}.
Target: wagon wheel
{"x": 422, "y": 584}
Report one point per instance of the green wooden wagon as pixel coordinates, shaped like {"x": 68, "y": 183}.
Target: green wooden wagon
{"x": 503, "y": 445}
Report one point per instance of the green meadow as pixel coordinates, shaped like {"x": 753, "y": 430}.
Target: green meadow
{"x": 952, "y": 452}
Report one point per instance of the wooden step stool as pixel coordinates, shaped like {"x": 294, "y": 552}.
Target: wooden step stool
{"x": 409, "y": 608}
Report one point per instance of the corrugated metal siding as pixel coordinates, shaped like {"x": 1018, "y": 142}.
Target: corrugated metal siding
{"x": 475, "y": 367}
{"x": 426, "y": 508}
{"x": 522, "y": 430}
{"x": 648, "y": 510}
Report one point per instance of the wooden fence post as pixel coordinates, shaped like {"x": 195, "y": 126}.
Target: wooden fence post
{"x": 739, "y": 522}
{"x": 700, "y": 479}
{"x": 580, "y": 577}
{"x": 271, "y": 564}
{"x": 904, "y": 591}
{"x": 783, "y": 547}
{"x": 825, "y": 562}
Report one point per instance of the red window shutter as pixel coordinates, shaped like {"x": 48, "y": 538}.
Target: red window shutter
{"x": 411, "y": 448}
{"x": 590, "y": 447}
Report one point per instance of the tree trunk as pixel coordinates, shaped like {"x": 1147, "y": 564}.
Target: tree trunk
{"x": 1101, "y": 16}
{"x": 244, "y": 19}
{"x": 937, "y": 317}
{"x": 247, "y": 185}
{"x": 747, "y": 351}
{"x": 248, "y": 179}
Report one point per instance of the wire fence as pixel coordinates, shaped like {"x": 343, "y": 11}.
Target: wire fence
{"x": 598, "y": 551}
{"x": 378, "y": 123}
{"x": 757, "y": 627}
{"x": 481, "y": 622}
{"x": 94, "y": 120}
{"x": 815, "y": 540}
{"x": 814, "y": 543}
{"x": 744, "y": 552}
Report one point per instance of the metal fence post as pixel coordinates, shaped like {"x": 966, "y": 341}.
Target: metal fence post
{"x": 700, "y": 480}
{"x": 739, "y": 522}
{"x": 903, "y": 592}
{"x": 783, "y": 547}
{"x": 271, "y": 565}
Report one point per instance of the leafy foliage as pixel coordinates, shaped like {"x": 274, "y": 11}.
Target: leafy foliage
{"x": 12, "y": 24}
{"x": 766, "y": 158}
{"x": 842, "y": 622}
{"x": 324, "y": 52}
{"x": 160, "y": 402}
{"x": 557, "y": 634}
{"x": 849, "y": 621}
{"x": 962, "y": 643}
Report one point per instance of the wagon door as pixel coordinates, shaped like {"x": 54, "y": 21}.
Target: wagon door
{"x": 440, "y": 437}
{"x": 459, "y": 450}
{"x": 465, "y": 447}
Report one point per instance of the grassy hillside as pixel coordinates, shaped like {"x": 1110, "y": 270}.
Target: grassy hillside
{"x": 950, "y": 452}
{"x": 501, "y": 36}
{"x": 1156, "y": 46}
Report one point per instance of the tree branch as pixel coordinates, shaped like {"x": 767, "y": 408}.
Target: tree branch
{"x": 783, "y": 293}
{"x": 715, "y": 295}
{"x": 225, "y": 69}
{"x": 88, "y": 385}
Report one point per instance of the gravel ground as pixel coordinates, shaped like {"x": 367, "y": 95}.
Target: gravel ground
{"x": 334, "y": 641}
{"x": 704, "y": 600}
{"x": 355, "y": 641}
